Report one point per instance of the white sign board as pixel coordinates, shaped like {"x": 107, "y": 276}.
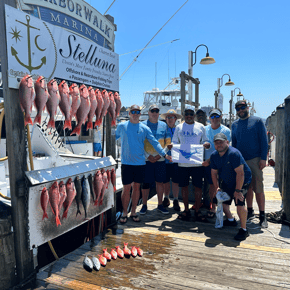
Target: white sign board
{"x": 187, "y": 153}
{"x": 38, "y": 48}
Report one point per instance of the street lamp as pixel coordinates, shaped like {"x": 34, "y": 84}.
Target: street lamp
{"x": 231, "y": 102}
{"x": 219, "y": 85}
{"x": 206, "y": 60}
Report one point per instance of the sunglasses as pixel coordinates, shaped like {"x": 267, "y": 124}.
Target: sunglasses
{"x": 135, "y": 112}
{"x": 172, "y": 117}
{"x": 155, "y": 111}
{"x": 189, "y": 114}
{"x": 214, "y": 116}
{"x": 241, "y": 108}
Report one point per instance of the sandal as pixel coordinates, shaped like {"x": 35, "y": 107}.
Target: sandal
{"x": 135, "y": 218}
{"x": 200, "y": 218}
{"x": 123, "y": 219}
{"x": 210, "y": 214}
{"x": 184, "y": 216}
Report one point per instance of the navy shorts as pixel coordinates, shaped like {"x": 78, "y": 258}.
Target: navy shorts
{"x": 171, "y": 172}
{"x": 207, "y": 174}
{"x": 132, "y": 173}
{"x": 154, "y": 172}
{"x": 196, "y": 174}
{"x": 231, "y": 194}
{"x": 97, "y": 147}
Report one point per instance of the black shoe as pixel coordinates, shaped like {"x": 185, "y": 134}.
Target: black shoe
{"x": 228, "y": 223}
{"x": 166, "y": 202}
{"x": 251, "y": 215}
{"x": 263, "y": 222}
{"x": 241, "y": 235}
{"x": 176, "y": 205}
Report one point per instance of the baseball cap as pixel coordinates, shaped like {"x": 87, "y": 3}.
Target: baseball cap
{"x": 153, "y": 106}
{"x": 200, "y": 111}
{"x": 189, "y": 108}
{"x": 134, "y": 107}
{"x": 215, "y": 111}
{"x": 220, "y": 136}
{"x": 241, "y": 102}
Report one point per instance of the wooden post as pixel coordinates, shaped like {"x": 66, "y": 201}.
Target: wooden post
{"x": 182, "y": 91}
{"x": 16, "y": 148}
{"x": 286, "y": 167}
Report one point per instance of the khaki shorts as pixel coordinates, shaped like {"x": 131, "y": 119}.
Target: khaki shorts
{"x": 257, "y": 175}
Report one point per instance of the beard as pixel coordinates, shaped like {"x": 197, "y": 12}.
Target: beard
{"x": 244, "y": 115}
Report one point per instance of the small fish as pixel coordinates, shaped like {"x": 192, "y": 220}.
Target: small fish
{"x": 85, "y": 195}
{"x": 91, "y": 183}
{"x": 139, "y": 251}
{"x": 79, "y": 194}
{"x": 65, "y": 103}
{"x": 94, "y": 104}
{"x": 113, "y": 178}
{"x": 112, "y": 109}
{"x": 109, "y": 176}
{"x": 88, "y": 264}
{"x": 76, "y": 99}
{"x": 102, "y": 260}
{"x": 98, "y": 186}
{"x": 113, "y": 254}
{"x": 41, "y": 97}
{"x": 63, "y": 195}
{"x": 134, "y": 251}
{"x": 70, "y": 195}
{"x": 54, "y": 198}
{"x": 96, "y": 263}
{"x": 52, "y": 102}
{"x": 99, "y": 108}
{"x": 120, "y": 252}
{"x": 44, "y": 198}
{"x": 107, "y": 254}
{"x": 26, "y": 96}
{"x": 126, "y": 250}
{"x": 118, "y": 103}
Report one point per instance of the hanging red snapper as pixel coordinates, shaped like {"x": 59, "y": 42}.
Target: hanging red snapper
{"x": 52, "y": 102}
{"x": 44, "y": 198}
{"x": 71, "y": 193}
{"x": 113, "y": 178}
{"x": 94, "y": 104}
{"x": 54, "y": 198}
{"x": 99, "y": 108}
{"x": 106, "y": 100}
{"x": 118, "y": 103}
{"x": 98, "y": 185}
{"x": 109, "y": 175}
{"x": 63, "y": 195}
{"x": 65, "y": 103}
{"x": 105, "y": 182}
{"x": 41, "y": 97}
{"x": 76, "y": 99}
{"x": 26, "y": 96}
{"x": 112, "y": 109}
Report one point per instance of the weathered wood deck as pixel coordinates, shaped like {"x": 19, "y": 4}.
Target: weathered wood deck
{"x": 182, "y": 255}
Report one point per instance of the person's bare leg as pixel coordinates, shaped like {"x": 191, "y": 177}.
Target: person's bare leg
{"x": 211, "y": 193}
{"x": 159, "y": 189}
{"x": 198, "y": 195}
{"x": 125, "y": 197}
{"x": 166, "y": 188}
{"x": 135, "y": 197}
{"x": 260, "y": 198}
{"x": 226, "y": 208}
{"x": 250, "y": 197}
{"x": 242, "y": 213}
{"x": 145, "y": 194}
{"x": 175, "y": 190}
{"x": 184, "y": 191}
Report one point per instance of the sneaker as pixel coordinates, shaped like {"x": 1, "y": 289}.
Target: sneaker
{"x": 143, "y": 209}
{"x": 166, "y": 202}
{"x": 228, "y": 223}
{"x": 263, "y": 222}
{"x": 241, "y": 235}
{"x": 251, "y": 215}
{"x": 176, "y": 205}
{"x": 162, "y": 209}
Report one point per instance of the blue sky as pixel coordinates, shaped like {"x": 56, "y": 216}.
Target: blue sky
{"x": 248, "y": 39}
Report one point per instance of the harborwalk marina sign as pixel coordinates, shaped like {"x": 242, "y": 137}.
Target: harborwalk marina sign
{"x": 39, "y": 48}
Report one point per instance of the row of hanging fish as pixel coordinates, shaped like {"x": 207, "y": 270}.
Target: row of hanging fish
{"x": 84, "y": 191}
{"x": 94, "y": 263}
{"x": 75, "y": 101}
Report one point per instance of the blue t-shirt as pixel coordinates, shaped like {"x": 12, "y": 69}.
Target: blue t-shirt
{"x": 226, "y": 165}
{"x": 132, "y": 142}
{"x": 250, "y": 137}
{"x": 210, "y": 133}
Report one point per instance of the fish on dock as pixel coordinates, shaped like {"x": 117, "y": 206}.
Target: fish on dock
{"x": 113, "y": 254}
{"x": 76, "y": 99}
{"x": 99, "y": 108}
{"x": 54, "y": 198}
{"x": 126, "y": 250}
{"x": 52, "y": 102}
{"x": 112, "y": 109}
{"x": 134, "y": 251}
{"x": 118, "y": 103}
{"x": 96, "y": 263}
{"x": 94, "y": 104}
{"x": 88, "y": 264}
{"x": 41, "y": 97}
{"x": 98, "y": 186}
{"x": 63, "y": 195}
{"x": 44, "y": 198}
{"x": 139, "y": 251}
{"x": 120, "y": 252}
{"x": 103, "y": 260}
{"x": 107, "y": 255}
{"x": 71, "y": 194}
{"x": 65, "y": 103}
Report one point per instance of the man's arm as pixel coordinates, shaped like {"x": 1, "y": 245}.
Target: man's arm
{"x": 264, "y": 144}
{"x": 152, "y": 140}
{"x": 240, "y": 177}
{"x": 234, "y": 139}
{"x": 175, "y": 139}
{"x": 214, "y": 177}
{"x": 204, "y": 139}
{"x": 118, "y": 132}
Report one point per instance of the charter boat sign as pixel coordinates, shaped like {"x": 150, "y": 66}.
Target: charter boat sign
{"x": 38, "y": 48}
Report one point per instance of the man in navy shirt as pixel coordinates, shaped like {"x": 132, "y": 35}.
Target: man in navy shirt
{"x": 249, "y": 136}
{"x": 231, "y": 174}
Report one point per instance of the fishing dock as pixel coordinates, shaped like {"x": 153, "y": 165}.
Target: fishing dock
{"x": 182, "y": 255}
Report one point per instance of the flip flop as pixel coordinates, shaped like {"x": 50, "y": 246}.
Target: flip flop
{"x": 135, "y": 218}
{"x": 200, "y": 218}
{"x": 184, "y": 216}
{"x": 210, "y": 214}
{"x": 124, "y": 218}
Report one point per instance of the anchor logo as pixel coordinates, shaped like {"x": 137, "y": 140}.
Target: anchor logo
{"x": 15, "y": 53}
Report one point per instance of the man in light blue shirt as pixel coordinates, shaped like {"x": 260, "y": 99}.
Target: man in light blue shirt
{"x": 133, "y": 135}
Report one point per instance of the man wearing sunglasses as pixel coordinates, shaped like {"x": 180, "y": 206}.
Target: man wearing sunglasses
{"x": 133, "y": 135}
{"x": 155, "y": 170}
{"x": 249, "y": 136}
{"x": 190, "y": 132}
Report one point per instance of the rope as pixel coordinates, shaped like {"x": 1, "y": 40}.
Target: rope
{"x": 5, "y": 197}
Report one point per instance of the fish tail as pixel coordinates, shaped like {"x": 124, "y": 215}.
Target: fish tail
{"x": 76, "y": 130}
{"x": 44, "y": 216}
{"x": 28, "y": 120}
{"x": 57, "y": 221}
{"x": 78, "y": 212}
{"x": 114, "y": 188}
{"x": 113, "y": 123}
{"x": 37, "y": 119}
{"x": 51, "y": 124}
{"x": 89, "y": 125}
{"x": 96, "y": 202}
{"x": 67, "y": 124}
{"x": 64, "y": 215}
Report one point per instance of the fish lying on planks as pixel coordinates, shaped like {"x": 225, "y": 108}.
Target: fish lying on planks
{"x": 99, "y": 108}
{"x": 54, "y": 198}
{"x": 79, "y": 194}
{"x": 65, "y": 103}
{"x": 85, "y": 195}
{"x": 120, "y": 252}
{"x": 134, "y": 251}
{"x": 118, "y": 103}
{"x": 113, "y": 254}
{"x": 107, "y": 255}
{"x": 63, "y": 195}
{"x": 102, "y": 260}
{"x": 88, "y": 264}
{"x": 96, "y": 263}
{"x": 71, "y": 193}
{"x": 44, "y": 198}
{"x": 98, "y": 186}
{"x": 52, "y": 102}
{"x": 139, "y": 251}
{"x": 83, "y": 110}
{"x": 76, "y": 99}
{"x": 112, "y": 109}
{"x": 94, "y": 104}
{"x": 126, "y": 250}
{"x": 41, "y": 97}
{"x": 113, "y": 178}
{"x": 91, "y": 182}
{"x": 26, "y": 96}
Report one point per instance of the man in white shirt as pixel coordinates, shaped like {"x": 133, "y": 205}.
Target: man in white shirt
{"x": 190, "y": 132}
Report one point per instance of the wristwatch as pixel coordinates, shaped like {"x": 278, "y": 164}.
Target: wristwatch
{"x": 165, "y": 156}
{"x": 238, "y": 190}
